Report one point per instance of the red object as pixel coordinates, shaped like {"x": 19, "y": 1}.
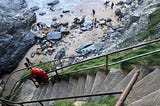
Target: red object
{"x": 40, "y": 75}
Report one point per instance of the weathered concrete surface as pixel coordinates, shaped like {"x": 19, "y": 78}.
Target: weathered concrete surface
{"x": 88, "y": 85}
{"x": 147, "y": 85}
{"x": 112, "y": 79}
{"x": 80, "y": 86}
{"x": 152, "y": 99}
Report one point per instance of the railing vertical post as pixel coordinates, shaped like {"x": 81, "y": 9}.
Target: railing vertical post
{"x": 106, "y": 62}
{"x": 34, "y": 83}
{"x": 128, "y": 88}
{"x": 41, "y": 103}
{"x": 60, "y": 63}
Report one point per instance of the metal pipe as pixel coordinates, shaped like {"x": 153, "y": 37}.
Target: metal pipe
{"x": 106, "y": 62}
{"x": 127, "y": 89}
{"x": 134, "y": 57}
{"x": 71, "y": 97}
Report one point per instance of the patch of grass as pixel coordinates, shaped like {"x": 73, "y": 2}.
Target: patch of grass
{"x": 46, "y": 66}
{"x": 154, "y": 21}
{"x": 106, "y": 101}
{"x": 154, "y": 5}
{"x": 63, "y": 103}
{"x": 146, "y": 60}
{"x": 87, "y": 64}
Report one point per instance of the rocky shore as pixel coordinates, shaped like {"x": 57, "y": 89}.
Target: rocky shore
{"x": 15, "y": 37}
{"x": 60, "y": 32}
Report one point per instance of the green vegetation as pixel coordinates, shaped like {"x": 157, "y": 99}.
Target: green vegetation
{"x": 63, "y": 103}
{"x": 154, "y": 21}
{"x": 106, "y": 101}
{"x": 146, "y": 60}
{"x": 154, "y": 5}
{"x": 87, "y": 64}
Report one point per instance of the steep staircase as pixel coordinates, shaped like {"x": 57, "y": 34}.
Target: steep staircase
{"x": 146, "y": 91}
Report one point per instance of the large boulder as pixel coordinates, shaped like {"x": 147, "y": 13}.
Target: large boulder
{"x": 118, "y": 12}
{"x": 84, "y": 45}
{"x": 54, "y": 35}
{"x": 133, "y": 18}
{"x": 15, "y": 38}
{"x": 93, "y": 49}
{"x": 14, "y": 4}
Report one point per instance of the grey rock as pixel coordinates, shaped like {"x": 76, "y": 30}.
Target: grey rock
{"x": 78, "y": 50}
{"x": 34, "y": 27}
{"x": 35, "y": 8}
{"x": 128, "y": 2}
{"x": 54, "y": 35}
{"x": 53, "y": 3}
{"x": 108, "y": 20}
{"x": 60, "y": 54}
{"x": 32, "y": 54}
{"x": 120, "y": 3}
{"x": 14, "y": 5}
{"x": 133, "y": 18}
{"x": 79, "y": 21}
{"x": 15, "y": 38}
{"x": 66, "y": 11}
{"x": 118, "y": 12}
{"x": 42, "y": 13}
{"x": 9, "y": 56}
{"x": 83, "y": 29}
{"x": 73, "y": 26}
{"x": 52, "y": 8}
{"x": 39, "y": 35}
{"x": 54, "y": 24}
{"x": 92, "y": 49}
{"x": 42, "y": 25}
{"x": 65, "y": 32}
{"x": 115, "y": 35}
{"x": 87, "y": 26}
{"x": 65, "y": 24}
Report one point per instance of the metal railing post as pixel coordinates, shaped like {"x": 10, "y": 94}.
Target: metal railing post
{"x": 34, "y": 83}
{"x": 41, "y": 103}
{"x": 128, "y": 88}
{"x": 106, "y": 62}
{"x": 58, "y": 75}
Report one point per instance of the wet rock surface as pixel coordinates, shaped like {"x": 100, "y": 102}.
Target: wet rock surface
{"x": 15, "y": 37}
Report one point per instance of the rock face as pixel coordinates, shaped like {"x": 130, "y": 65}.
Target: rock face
{"x": 15, "y": 38}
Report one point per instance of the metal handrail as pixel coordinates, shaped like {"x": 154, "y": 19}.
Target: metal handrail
{"x": 62, "y": 98}
{"x": 114, "y": 63}
{"x": 117, "y": 51}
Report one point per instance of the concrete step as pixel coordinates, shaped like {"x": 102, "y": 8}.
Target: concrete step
{"x": 100, "y": 77}
{"x": 48, "y": 93}
{"x": 145, "y": 86}
{"x": 152, "y": 99}
{"x": 43, "y": 92}
{"x": 26, "y": 92}
{"x": 72, "y": 86}
{"x": 123, "y": 83}
{"x": 37, "y": 93}
{"x": 88, "y": 85}
{"x": 55, "y": 90}
{"x": 112, "y": 79}
{"x": 63, "y": 89}
{"x": 80, "y": 86}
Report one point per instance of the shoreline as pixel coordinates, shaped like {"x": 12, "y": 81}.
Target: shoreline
{"x": 93, "y": 35}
